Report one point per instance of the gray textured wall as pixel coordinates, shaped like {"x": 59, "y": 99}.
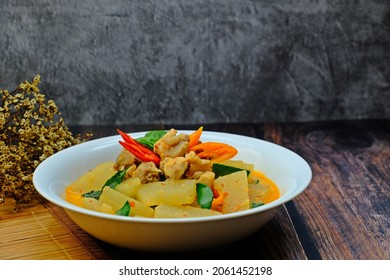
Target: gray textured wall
{"x": 201, "y": 61}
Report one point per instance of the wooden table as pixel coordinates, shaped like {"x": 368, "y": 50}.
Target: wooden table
{"x": 343, "y": 214}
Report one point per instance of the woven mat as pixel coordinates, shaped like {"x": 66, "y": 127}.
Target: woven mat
{"x": 43, "y": 231}
{"x": 86, "y": 241}
{"x": 99, "y": 250}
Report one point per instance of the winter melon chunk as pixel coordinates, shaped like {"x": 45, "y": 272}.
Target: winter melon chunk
{"x": 93, "y": 179}
{"x": 129, "y": 186}
{"x": 117, "y": 199}
{"x": 171, "y": 192}
{"x": 234, "y": 188}
{"x": 184, "y": 211}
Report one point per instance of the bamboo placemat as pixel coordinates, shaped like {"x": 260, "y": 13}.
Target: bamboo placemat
{"x": 43, "y": 231}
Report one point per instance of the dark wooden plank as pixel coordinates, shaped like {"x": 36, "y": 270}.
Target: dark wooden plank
{"x": 235, "y": 128}
{"x": 346, "y": 208}
{"x": 309, "y": 246}
{"x": 99, "y": 131}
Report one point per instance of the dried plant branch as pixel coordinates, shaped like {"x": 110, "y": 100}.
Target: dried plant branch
{"x": 31, "y": 129}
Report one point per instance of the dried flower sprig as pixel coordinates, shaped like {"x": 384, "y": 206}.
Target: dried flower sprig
{"x": 31, "y": 129}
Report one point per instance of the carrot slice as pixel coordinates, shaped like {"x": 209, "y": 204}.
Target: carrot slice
{"x": 214, "y": 151}
{"x": 194, "y": 137}
{"x": 217, "y": 202}
{"x": 73, "y": 197}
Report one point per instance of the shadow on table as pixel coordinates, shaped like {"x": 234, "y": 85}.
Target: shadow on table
{"x": 245, "y": 249}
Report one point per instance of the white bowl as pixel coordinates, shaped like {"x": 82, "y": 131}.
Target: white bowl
{"x": 288, "y": 170}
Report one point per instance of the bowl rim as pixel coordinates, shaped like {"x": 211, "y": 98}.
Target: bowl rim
{"x": 67, "y": 206}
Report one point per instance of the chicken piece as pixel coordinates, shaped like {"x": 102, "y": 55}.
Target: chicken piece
{"x": 130, "y": 171}
{"x": 197, "y": 166}
{"x": 207, "y": 178}
{"x": 172, "y": 145}
{"x": 147, "y": 172}
{"x": 124, "y": 160}
{"x": 174, "y": 168}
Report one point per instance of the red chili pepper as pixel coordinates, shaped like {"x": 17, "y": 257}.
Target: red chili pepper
{"x": 138, "y": 149}
{"x": 126, "y": 137}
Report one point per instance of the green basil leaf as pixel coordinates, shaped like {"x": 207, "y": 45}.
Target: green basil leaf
{"x": 205, "y": 195}
{"x": 116, "y": 179}
{"x": 222, "y": 170}
{"x": 93, "y": 194}
{"x": 257, "y": 204}
{"x": 125, "y": 210}
{"x": 151, "y": 138}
